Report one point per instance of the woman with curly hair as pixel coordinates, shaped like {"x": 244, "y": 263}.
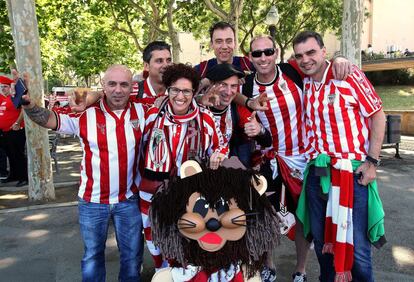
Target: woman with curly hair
{"x": 176, "y": 131}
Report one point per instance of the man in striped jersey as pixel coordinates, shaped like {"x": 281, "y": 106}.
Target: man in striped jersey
{"x": 110, "y": 132}
{"x": 345, "y": 126}
{"x": 281, "y": 113}
{"x": 237, "y": 123}
{"x": 156, "y": 57}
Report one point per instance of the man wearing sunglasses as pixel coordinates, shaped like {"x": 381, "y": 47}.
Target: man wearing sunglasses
{"x": 284, "y": 162}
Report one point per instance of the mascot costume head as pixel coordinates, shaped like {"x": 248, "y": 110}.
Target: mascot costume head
{"x": 212, "y": 222}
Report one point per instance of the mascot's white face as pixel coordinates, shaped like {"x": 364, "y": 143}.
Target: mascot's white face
{"x": 212, "y": 224}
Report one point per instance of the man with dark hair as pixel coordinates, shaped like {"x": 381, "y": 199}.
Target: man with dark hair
{"x": 156, "y": 57}
{"x": 110, "y": 133}
{"x": 284, "y": 162}
{"x": 222, "y": 41}
{"x": 340, "y": 205}
{"x": 236, "y": 122}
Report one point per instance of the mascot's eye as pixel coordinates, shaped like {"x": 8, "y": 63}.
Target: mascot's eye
{"x": 201, "y": 206}
{"x": 221, "y": 206}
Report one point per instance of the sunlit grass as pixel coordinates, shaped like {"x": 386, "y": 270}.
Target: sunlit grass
{"x": 396, "y": 97}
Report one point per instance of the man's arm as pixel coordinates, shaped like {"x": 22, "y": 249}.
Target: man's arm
{"x": 375, "y": 142}
{"x": 41, "y": 116}
{"x": 16, "y": 124}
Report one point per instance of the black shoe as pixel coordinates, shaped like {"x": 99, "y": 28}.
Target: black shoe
{"x": 8, "y": 179}
{"x": 21, "y": 183}
{"x": 3, "y": 176}
{"x": 299, "y": 277}
{"x": 268, "y": 274}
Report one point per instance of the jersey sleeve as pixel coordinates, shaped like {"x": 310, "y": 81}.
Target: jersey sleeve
{"x": 295, "y": 65}
{"x": 68, "y": 123}
{"x": 244, "y": 115}
{"x": 218, "y": 142}
{"x": 364, "y": 93}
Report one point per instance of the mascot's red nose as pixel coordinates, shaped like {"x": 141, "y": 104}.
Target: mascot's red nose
{"x": 211, "y": 238}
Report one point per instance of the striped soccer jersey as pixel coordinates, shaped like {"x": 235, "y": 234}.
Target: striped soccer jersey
{"x": 111, "y": 147}
{"x": 225, "y": 120}
{"x": 149, "y": 91}
{"x": 337, "y": 115}
{"x": 212, "y": 137}
{"x": 284, "y": 118}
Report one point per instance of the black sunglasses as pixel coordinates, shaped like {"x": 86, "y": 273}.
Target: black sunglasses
{"x": 267, "y": 52}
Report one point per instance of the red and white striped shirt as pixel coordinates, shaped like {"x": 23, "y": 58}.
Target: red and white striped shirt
{"x": 111, "y": 146}
{"x": 225, "y": 120}
{"x": 149, "y": 91}
{"x": 211, "y": 138}
{"x": 337, "y": 115}
{"x": 284, "y": 118}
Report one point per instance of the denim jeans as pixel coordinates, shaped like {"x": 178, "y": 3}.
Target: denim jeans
{"x": 362, "y": 267}
{"x": 94, "y": 221}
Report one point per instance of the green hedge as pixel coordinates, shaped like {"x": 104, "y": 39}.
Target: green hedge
{"x": 391, "y": 77}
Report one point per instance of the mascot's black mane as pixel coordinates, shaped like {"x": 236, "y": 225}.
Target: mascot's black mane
{"x": 252, "y": 250}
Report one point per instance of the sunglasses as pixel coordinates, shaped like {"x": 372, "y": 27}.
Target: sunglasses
{"x": 267, "y": 52}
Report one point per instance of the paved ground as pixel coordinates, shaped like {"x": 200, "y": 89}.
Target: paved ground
{"x": 41, "y": 241}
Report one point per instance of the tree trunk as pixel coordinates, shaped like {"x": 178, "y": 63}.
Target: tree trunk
{"x": 352, "y": 20}
{"x": 175, "y": 42}
{"x": 23, "y": 22}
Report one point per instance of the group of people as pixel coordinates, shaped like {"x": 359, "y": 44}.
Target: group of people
{"x": 12, "y": 137}
{"x": 309, "y": 123}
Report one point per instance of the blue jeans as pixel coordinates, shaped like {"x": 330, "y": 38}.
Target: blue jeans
{"x": 94, "y": 221}
{"x": 362, "y": 267}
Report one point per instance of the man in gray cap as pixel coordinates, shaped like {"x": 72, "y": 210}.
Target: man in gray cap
{"x": 234, "y": 120}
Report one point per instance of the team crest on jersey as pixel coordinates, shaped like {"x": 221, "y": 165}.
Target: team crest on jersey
{"x": 102, "y": 128}
{"x": 135, "y": 124}
{"x": 331, "y": 98}
{"x": 283, "y": 86}
{"x": 158, "y": 148}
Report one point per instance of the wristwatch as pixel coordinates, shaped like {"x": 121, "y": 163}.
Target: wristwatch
{"x": 375, "y": 162}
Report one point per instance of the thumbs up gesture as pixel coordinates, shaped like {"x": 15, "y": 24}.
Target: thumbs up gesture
{"x": 253, "y": 128}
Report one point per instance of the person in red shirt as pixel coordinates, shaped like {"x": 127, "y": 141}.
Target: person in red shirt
{"x": 13, "y": 138}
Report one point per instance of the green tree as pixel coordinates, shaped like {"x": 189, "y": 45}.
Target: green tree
{"x": 143, "y": 20}
{"x": 6, "y": 40}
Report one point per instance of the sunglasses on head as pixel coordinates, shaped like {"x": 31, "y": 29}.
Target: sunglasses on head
{"x": 267, "y": 52}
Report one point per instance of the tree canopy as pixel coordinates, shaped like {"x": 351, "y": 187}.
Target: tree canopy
{"x": 79, "y": 38}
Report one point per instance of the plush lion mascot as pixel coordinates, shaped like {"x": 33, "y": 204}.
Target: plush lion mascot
{"x": 214, "y": 225}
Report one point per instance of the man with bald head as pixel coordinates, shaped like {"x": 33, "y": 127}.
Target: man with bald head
{"x": 110, "y": 133}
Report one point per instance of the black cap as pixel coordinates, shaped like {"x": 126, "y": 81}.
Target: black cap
{"x": 223, "y": 71}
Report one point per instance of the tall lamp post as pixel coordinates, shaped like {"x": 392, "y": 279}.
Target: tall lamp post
{"x": 272, "y": 18}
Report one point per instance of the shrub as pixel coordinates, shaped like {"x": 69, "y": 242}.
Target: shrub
{"x": 391, "y": 77}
